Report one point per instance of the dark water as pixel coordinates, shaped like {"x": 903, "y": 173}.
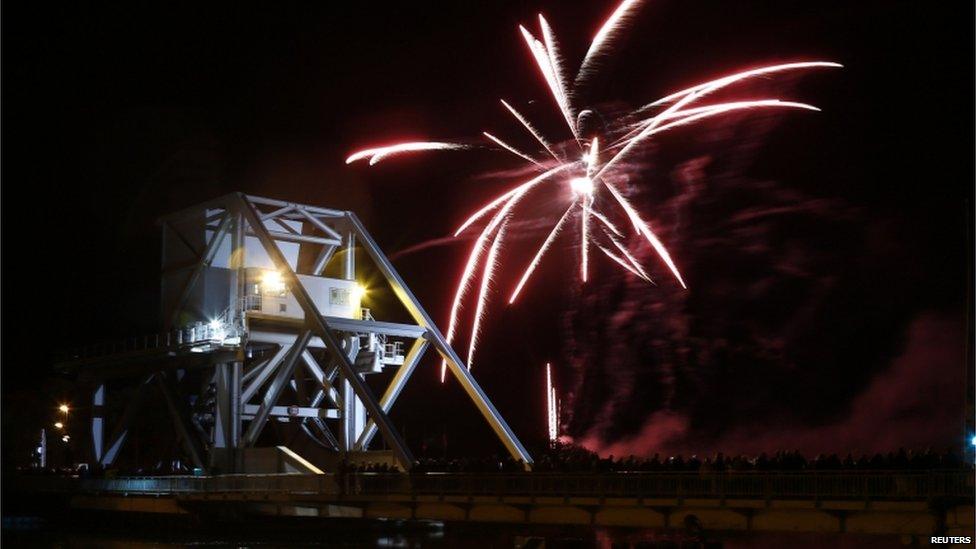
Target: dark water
{"x": 129, "y": 531}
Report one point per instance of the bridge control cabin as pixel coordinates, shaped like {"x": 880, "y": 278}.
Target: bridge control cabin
{"x": 264, "y": 289}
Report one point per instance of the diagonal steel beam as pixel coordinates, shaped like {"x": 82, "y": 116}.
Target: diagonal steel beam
{"x": 298, "y": 385}
{"x": 326, "y": 380}
{"x": 256, "y": 368}
{"x": 205, "y": 260}
{"x": 457, "y": 366}
{"x": 321, "y": 226}
{"x": 121, "y": 431}
{"x": 180, "y": 417}
{"x": 317, "y": 323}
{"x": 264, "y": 201}
{"x": 280, "y": 211}
{"x": 393, "y": 390}
{"x": 323, "y": 259}
{"x": 180, "y": 237}
{"x": 262, "y": 376}
{"x": 288, "y": 228}
{"x": 282, "y": 376}
{"x": 330, "y": 442}
{"x": 300, "y": 238}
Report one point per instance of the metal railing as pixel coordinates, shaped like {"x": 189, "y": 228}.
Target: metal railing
{"x": 873, "y": 485}
{"x": 186, "y": 485}
{"x": 899, "y": 485}
{"x": 188, "y": 336}
{"x": 387, "y": 350}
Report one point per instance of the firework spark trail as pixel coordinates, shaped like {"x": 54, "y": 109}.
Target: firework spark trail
{"x": 653, "y": 128}
{"x": 469, "y": 268}
{"x": 541, "y": 56}
{"x": 478, "y": 247}
{"x": 552, "y": 423}
{"x": 608, "y": 31}
{"x": 620, "y": 261}
{"x": 584, "y": 240}
{"x": 479, "y": 314}
{"x": 736, "y": 77}
{"x": 556, "y": 66}
{"x": 645, "y": 230}
{"x": 461, "y": 291}
{"x": 685, "y": 113}
{"x": 541, "y": 251}
{"x": 591, "y": 158}
{"x": 694, "y": 93}
{"x": 606, "y": 222}
{"x": 497, "y": 201}
{"x": 626, "y": 253}
{"x": 730, "y": 105}
{"x": 698, "y": 91}
{"x": 538, "y": 136}
{"x": 649, "y": 130}
{"x": 376, "y": 154}
{"x": 588, "y": 171}
{"x": 512, "y": 149}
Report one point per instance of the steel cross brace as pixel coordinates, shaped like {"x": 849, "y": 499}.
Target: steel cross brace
{"x": 457, "y": 366}
{"x": 317, "y": 324}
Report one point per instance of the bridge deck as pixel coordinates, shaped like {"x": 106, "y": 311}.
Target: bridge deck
{"x": 888, "y": 502}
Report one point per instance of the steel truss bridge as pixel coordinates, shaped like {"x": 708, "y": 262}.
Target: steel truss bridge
{"x": 870, "y": 502}
{"x": 217, "y": 386}
{"x": 224, "y": 366}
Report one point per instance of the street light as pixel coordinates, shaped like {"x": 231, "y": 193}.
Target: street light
{"x": 64, "y": 409}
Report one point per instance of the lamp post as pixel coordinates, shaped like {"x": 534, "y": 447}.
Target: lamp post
{"x": 62, "y": 425}
{"x": 64, "y": 409}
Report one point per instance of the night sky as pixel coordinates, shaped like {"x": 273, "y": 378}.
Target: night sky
{"x": 826, "y": 253}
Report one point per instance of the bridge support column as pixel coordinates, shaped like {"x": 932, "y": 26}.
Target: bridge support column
{"x": 98, "y": 424}
{"x": 353, "y": 409}
{"x": 225, "y": 456}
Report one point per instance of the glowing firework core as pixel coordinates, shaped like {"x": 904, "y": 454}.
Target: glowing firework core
{"x": 552, "y": 407}
{"x": 621, "y": 138}
{"x": 582, "y": 186}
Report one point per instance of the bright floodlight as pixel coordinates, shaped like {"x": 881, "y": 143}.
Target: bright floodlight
{"x": 63, "y": 408}
{"x": 358, "y": 292}
{"x": 272, "y": 283}
{"x": 973, "y": 441}
{"x": 59, "y": 425}
{"x": 65, "y": 438}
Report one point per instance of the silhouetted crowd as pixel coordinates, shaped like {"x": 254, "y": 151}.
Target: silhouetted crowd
{"x": 368, "y": 467}
{"x": 574, "y": 459}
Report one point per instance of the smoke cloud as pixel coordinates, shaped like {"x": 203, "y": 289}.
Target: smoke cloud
{"x": 801, "y": 327}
